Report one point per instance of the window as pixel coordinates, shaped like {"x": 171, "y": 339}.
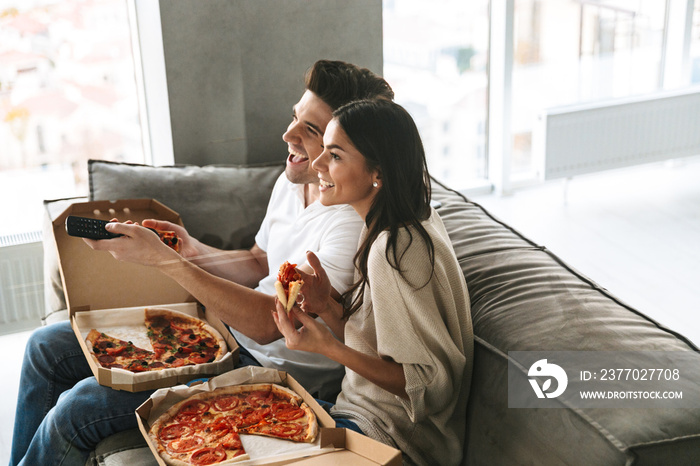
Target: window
{"x": 563, "y": 52}
{"x": 67, "y": 94}
{"x": 695, "y": 46}
{"x": 435, "y": 59}
{"x": 568, "y": 52}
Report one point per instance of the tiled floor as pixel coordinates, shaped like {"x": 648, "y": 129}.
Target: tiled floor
{"x": 12, "y": 344}
{"x": 636, "y": 232}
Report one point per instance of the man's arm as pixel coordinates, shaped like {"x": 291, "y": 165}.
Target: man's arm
{"x": 237, "y": 305}
{"x": 242, "y": 266}
{"x": 246, "y": 267}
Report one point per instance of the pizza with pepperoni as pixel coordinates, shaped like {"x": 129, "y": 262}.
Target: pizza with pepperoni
{"x": 205, "y": 428}
{"x": 177, "y": 339}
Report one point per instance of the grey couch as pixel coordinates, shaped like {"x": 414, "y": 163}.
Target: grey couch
{"x": 523, "y": 298}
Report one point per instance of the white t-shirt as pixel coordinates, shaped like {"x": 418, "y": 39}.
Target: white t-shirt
{"x": 287, "y": 232}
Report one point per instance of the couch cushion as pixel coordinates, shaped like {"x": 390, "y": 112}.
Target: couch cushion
{"x": 123, "y": 448}
{"x": 221, "y": 206}
{"x": 524, "y": 298}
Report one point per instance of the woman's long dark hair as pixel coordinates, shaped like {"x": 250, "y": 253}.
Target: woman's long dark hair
{"x": 386, "y": 135}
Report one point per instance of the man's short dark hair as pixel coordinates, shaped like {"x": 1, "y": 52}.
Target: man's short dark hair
{"x": 338, "y": 83}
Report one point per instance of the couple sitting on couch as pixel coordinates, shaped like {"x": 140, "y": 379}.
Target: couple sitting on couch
{"x": 402, "y": 328}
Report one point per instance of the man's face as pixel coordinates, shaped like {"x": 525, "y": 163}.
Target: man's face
{"x": 304, "y": 137}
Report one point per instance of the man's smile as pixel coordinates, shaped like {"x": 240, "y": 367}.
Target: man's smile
{"x": 297, "y": 157}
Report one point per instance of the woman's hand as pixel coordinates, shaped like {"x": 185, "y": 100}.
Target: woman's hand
{"x": 316, "y": 338}
{"x": 312, "y": 336}
{"x": 317, "y": 292}
{"x": 138, "y": 245}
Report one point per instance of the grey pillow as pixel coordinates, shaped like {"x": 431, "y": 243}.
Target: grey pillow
{"x": 221, "y": 206}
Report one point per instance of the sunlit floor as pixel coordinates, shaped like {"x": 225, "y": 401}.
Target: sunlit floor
{"x": 636, "y": 232}
{"x": 11, "y": 345}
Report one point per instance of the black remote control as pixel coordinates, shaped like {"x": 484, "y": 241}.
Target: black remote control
{"x": 84, "y": 227}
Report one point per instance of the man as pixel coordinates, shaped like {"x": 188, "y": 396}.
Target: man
{"x": 62, "y": 413}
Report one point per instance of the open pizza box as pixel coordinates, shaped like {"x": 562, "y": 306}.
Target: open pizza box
{"x": 332, "y": 445}
{"x": 104, "y": 293}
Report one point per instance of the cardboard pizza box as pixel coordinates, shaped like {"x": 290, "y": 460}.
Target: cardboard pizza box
{"x": 97, "y": 285}
{"x": 350, "y": 448}
{"x": 333, "y": 445}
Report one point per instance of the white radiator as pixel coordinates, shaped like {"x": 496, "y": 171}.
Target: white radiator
{"x": 576, "y": 140}
{"x": 21, "y": 282}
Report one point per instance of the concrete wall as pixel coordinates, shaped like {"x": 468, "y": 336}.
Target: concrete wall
{"x": 234, "y": 68}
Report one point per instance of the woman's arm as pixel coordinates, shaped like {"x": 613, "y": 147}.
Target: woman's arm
{"x": 384, "y": 373}
{"x": 316, "y": 338}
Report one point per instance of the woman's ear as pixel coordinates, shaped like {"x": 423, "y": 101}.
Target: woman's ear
{"x": 377, "y": 178}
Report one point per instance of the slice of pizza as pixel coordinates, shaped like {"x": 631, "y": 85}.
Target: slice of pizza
{"x": 295, "y": 423}
{"x": 169, "y": 238}
{"x": 184, "y": 441}
{"x": 180, "y": 339}
{"x": 288, "y": 285}
{"x": 111, "y": 352}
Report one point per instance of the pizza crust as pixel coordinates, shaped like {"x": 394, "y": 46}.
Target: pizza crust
{"x": 288, "y": 289}
{"x": 285, "y": 392}
{"x": 281, "y": 294}
{"x": 294, "y": 289}
{"x": 90, "y": 342}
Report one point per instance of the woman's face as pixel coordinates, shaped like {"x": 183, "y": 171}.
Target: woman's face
{"x": 343, "y": 173}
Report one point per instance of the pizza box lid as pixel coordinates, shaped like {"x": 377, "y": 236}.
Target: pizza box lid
{"x": 335, "y": 446}
{"x": 95, "y": 283}
{"x": 96, "y": 280}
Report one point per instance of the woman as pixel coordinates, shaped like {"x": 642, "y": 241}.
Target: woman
{"x": 404, "y": 331}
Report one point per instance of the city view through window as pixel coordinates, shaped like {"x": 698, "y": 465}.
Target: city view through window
{"x": 68, "y": 89}
{"x": 435, "y": 60}
{"x": 67, "y": 94}
{"x": 564, "y": 52}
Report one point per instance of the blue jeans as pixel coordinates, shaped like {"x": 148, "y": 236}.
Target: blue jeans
{"x": 340, "y": 422}
{"x": 62, "y": 412}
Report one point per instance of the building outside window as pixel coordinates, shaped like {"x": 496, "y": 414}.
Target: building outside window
{"x": 68, "y": 89}
{"x": 695, "y": 46}
{"x": 564, "y": 52}
{"x": 568, "y": 52}
{"x": 435, "y": 60}
{"x": 67, "y": 94}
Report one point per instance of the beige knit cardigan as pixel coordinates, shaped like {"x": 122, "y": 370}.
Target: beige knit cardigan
{"x": 428, "y": 330}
